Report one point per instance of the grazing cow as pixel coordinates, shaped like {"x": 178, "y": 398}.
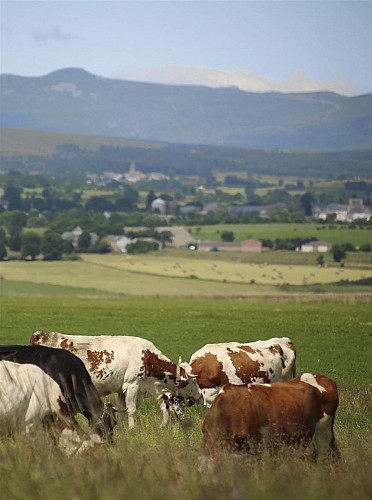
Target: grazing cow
{"x": 131, "y": 367}
{"x": 300, "y": 412}
{"x": 74, "y": 382}
{"x": 264, "y": 361}
{"x": 28, "y": 396}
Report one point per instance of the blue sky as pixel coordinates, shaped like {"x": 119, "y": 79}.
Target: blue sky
{"x": 261, "y": 45}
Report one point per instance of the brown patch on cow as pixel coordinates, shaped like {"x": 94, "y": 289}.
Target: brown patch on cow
{"x": 276, "y": 348}
{"x": 153, "y": 366}
{"x": 39, "y": 338}
{"x": 292, "y": 347}
{"x": 99, "y": 362}
{"x": 63, "y": 407}
{"x": 209, "y": 371}
{"x": 246, "y": 368}
{"x": 68, "y": 345}
{"x": 246, "y": 348}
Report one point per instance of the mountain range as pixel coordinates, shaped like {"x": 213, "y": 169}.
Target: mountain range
{"x": 75, "y": 101}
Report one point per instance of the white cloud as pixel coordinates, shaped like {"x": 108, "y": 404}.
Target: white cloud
{"x": 52, "y": 35}
{"x": 188, "y": 75}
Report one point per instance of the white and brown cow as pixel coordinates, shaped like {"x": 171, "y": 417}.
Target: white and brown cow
{"x": 263, "y": 361}
{"x": 131, "y": 367}
{"x": 28, "y": 397}
{"x": 297, "y": 413}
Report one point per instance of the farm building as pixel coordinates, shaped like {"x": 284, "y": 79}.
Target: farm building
{"x": 316, "y": 246}
{"x": 251, "y": 245}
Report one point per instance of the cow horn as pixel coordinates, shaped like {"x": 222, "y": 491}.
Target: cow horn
{"x": 178, "y": 372}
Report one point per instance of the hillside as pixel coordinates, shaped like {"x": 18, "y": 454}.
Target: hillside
{"x": 74, "y": 101}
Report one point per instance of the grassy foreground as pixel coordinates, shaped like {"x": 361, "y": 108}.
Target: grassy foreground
{"x": 146, "y": 463}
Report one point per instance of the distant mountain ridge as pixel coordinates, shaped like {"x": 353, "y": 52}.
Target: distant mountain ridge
{"x": 73, "y": 100}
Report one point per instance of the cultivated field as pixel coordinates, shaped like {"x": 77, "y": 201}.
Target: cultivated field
{"x": 334, "y": 339}
{"x": 181, "y": 273}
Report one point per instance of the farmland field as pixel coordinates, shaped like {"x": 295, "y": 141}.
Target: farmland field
{"x": 334, "y": 235}
{"x": 334, "y": 339}
{"x": 156, "y": 297}
{"x": 169, "y": 273}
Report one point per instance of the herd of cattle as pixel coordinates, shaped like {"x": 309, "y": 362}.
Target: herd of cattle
{"x": 249, "y": 389}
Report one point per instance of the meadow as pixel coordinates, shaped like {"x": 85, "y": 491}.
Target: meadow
{"x": 183, "y": 273}
{"x": 334, "y": 234}
{"x": 333, "y": 337}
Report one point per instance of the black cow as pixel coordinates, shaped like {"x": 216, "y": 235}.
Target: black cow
{"x": 73, "y": 379}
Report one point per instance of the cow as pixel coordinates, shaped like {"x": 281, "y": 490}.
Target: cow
{"x": 263, "y": 361}
{"x": 28, "y": 396}
{"x": 131, "y": 367}
{"x": 298, "y": 413}
{"x": 74, "y": 382}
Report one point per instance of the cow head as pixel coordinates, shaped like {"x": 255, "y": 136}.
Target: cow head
{"x": 187, "y": 388}
{"x": 173, "y": 404}
{"x": 105, "y": 425}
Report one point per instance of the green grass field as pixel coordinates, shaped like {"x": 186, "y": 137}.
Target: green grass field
{"x": 145, "y": 463}
{"x": 154, "y": 297}
{"x": 176, "y": 274}
{"x": 271, "y": 231}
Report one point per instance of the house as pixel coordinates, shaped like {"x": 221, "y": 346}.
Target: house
{"x": 251, "y": 245}
{"x": 73, "y": 236}
{"x": 119, "y": 243}
{"x": 316, "y": 246}
{"x": 214, "y": 246}
{"x": 159, "y": 205}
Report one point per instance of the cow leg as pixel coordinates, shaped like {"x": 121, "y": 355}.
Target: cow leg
{"x": 131, "y": 395}
{"x": 122, "y": 407}
{"x": 323, "y": 440}
{"x": 164, "y": 406}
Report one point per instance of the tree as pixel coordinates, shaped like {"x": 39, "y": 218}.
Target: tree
{"x": 227, "y": 236}
{"x": 99, "y": 204}
{"x": 142, "y": 246}
{"x": 52, "y": 245}
{"x": 338, "y": 253}
{"x": 149, "y": 199}
{"x": 3, "y": 251}
{"x": 320, "y": 260}
{"x": 15, "y": 238}
{"x": 306, "y": 201}
{"x": 12, "y": 194}
{"x": 3, "y": 242}
{"x": 164, "y": 237}
{"x": 30, "y": 245}
{"x": 84, "y": 241}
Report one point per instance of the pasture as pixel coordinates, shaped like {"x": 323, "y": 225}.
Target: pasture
{"x": 146, "y": 463}
{"x": 334, "y": 234}
{"x": 178, "y": 273}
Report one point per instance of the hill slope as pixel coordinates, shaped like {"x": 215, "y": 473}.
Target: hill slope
{"x": 72, "y": 100}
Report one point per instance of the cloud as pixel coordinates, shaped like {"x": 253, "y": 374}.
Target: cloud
{"x": 52, "y": 35}
{"x": 187, "y": 75}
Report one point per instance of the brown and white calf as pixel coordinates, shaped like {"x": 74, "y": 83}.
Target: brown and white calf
{"x": 131, "y": 367}
{"x": 300, "y": 412}
{"x": 263, "y": 361}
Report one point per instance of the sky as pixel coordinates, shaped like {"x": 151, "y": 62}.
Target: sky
{"x": 256, "y": 45}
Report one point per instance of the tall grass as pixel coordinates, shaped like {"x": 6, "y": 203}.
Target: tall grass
{"x": 149, "y": 463}
{"x": 146, "y": 463}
